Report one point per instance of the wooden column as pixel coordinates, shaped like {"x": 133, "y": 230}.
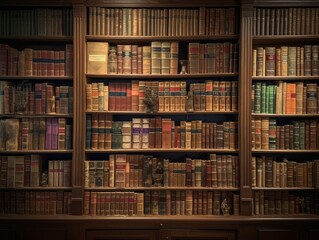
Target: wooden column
{"x": 79, "y": 32}
{"x": 244, "y": 128}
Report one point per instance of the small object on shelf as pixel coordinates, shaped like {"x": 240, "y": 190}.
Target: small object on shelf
{"x": 21, "y": 101}
{"x": 112, "y": 61}
{"x": 151, "y": 100}
{"x": 183, "y": 66}
{"x": 225, "y": 207}
{"x": 44, "y": 179}
{"x": 190, "y": 102}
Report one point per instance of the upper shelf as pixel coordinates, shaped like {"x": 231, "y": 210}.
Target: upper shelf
{"x": 284, "y": 39}
{"x": 143, "y": 39}
{"x": 37, "y": 39}
{"x": 285, "y": 78}
{"x": 36, "y": 78}
{"x": 162, "y": 76}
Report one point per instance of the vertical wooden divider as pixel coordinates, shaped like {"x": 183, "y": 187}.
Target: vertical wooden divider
{"x": 244, "y": 128}
{"x": 79, "y": 32}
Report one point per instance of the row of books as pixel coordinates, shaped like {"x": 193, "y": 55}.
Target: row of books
{"x": 286, "y": 21}
{"x": 284, "y": 202}
{"x": 124, "y": 170}
{"x": 35, "y": 202}
{"x": 35, "y": 134}
{"x": 161, "y": 22}
{"x": 170, "y": 96}
{"x": 155, "y": 202}
{"x": 161, "y": 58}
{"x": 213, "y": 57}
{"x": 266, "y": 172}
{"x": 286, "y": 61}
{"x": 28, "y": 171}
{"x": 36, "y": 22}
{"x": 285, "y": 98}
{"x": 162, "y": 133}
{"x": 35, "y": 98}
{"x": 33, "y": 62}
{"x": 297, "y": 135}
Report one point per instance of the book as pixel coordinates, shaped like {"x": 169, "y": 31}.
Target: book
{"x": 97, "y": 57}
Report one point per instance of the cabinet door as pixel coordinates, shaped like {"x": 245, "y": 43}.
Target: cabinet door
{"x": 199, "y": 235}
{"x": 122, "y": 235}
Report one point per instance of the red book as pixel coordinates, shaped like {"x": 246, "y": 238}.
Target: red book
{"x": 68, "y": 60}
{"x": 50, "y": 65}
{"x": 54, "y": 133}
{"x": 128, "y": 96}
{"x": 123, "y": 98}
{"x": 3, "y": 60}
{"x": 112, "y": 95}
{"x": 56, "y": 63}
{"x": 62, "y": 65}
{"x": 44, "y": 62}
{"x": 166, "y": 133}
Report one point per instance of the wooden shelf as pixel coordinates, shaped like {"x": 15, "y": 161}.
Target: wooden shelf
{"x": 148, "y": 39}
{"x": 150, "y": 150}
{"x": 163, "y": 113}
{"x": 37, "y": 39}
{"x": 161, "y": 188}
{"x": 285, "y": 78}
{"x": 285, "y": 115}
{"x": 162, "y": 76}
{"x": 42, "y": 78}
{"x": 35, "y": 151}
{"x": 36, "y": 188}
{"x": 284, "y": 188}
{"x": 286, "y": 39}
{"x": 35, "y": 115}
{"x": 285, "y": 151}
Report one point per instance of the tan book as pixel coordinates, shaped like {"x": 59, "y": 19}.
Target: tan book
{"x": 97, "y": 57}
{"x": 174, "y": 58}
{"x": 146, "y": 60}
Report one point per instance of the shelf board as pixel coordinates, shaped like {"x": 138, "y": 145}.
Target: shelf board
{"x": 284, "y": 188}
{"x": 46, "y": 39}
{"x": 35, "y": 188}
{"x": 284, "y": 115}
{"x": 35, "y": 151}
{"x": 285, "y": 151}
{"x": 100, "y": 189}
{"x": 35, "y": 115}
{"x": 286, "y": 39}
{"x": 161, "y": 76}
{"x": 163, "y": 113}
{"x": 143, "y": 39}
{"x": 285, "y": 78}
{"x": 42, "y": 78}
{"x": 150, "y": 150}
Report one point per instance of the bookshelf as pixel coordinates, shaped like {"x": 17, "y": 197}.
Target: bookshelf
{"x": 36, "y": 110}
{"x": 261, "y": 209}
{"x": 139, "y": 117}
{"x": 284, "y": 172}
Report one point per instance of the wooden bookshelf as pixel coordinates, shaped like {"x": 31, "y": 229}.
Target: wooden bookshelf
{"x": 162, "y": 76}
{"x": 284, "y": 188}
{"x": 285, "y": 115}
{"x": 161, "y": 150}
{"x": 165, "y": 113}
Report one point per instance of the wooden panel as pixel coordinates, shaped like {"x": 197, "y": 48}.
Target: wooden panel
{"x": 198, "y": 235}
{"x": 266, "y": 234}
{"x": 121, "y": 235}
{"x": 313, "y": 234}
{"x": 7, "y": 234}
{"x": 43, "y": 232}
